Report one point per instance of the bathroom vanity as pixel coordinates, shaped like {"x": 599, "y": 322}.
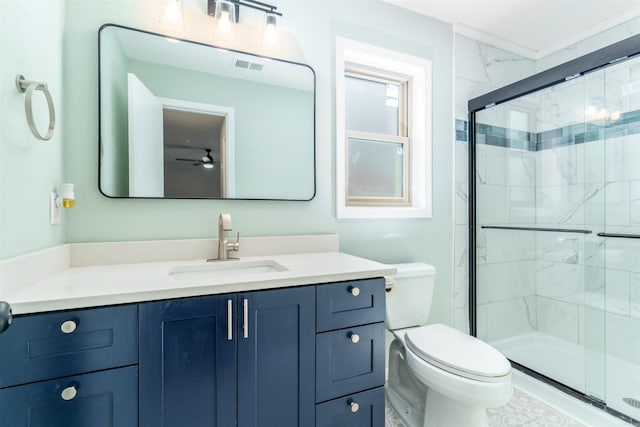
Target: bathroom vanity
{"x": 285, "y": 348}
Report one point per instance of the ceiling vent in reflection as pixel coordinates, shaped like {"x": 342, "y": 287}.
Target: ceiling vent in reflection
{"x": 240, "y": 63}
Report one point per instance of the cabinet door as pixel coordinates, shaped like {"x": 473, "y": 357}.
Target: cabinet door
{"x": 276, "y": 358}
{"x": 51, "y": 345}
{"x": 101, "y": 399}
{"x": 364, "y": 409}
{"x": 188, "y": 362}
{"x": 345, "y": 365}
{"x": 344, "y": 304}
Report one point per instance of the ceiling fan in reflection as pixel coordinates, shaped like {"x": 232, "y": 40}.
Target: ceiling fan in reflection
{"x": 206, "y": 161}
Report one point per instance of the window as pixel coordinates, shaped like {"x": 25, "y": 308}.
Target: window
{"x": 383, "y": 127}
{"x": 378, "y": 152}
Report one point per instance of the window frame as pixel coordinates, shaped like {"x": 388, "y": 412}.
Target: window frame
{"x": 373, "y": 62}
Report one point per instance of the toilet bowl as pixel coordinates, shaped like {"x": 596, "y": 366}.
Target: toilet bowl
{"x": 462, "y": 376}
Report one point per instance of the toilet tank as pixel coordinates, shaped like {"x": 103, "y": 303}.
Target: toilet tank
{"x": 408, "y": 302}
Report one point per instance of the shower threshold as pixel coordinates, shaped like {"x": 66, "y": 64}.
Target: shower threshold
{"x": 566, "y": 363}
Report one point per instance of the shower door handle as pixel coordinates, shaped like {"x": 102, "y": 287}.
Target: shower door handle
{"x": 621, "y": 236}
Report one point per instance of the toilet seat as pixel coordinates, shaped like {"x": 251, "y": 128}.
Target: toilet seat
{"x": 457, "y": 353}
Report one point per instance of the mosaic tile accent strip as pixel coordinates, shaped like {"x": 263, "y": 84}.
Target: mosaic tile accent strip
{"x": 580, "y": 133}
{"x": 523, "y": 410}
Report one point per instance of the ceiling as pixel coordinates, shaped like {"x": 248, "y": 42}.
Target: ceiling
{"x": 533, "y": 28}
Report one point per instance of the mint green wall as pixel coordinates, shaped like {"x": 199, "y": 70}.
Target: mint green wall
{"x": 115, "y": 121}
{"x": 30, "y": 44}
{"x": 313, "y": 24}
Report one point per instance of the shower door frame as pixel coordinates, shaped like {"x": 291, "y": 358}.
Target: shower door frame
{"x": 597, "y": 60}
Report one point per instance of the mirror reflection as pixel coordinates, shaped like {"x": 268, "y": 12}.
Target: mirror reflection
{"x": 180, "y": 119}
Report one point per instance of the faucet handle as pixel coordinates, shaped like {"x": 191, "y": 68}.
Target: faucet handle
{"x": 234, "y": 246}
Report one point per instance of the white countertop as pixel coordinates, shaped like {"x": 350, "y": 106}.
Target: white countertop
{"x": 98, "y": 285}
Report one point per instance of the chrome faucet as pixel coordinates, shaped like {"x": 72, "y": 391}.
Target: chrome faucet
{"x": 224, "y": 245}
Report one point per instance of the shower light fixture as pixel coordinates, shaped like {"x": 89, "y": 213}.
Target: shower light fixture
{"x": 227, "y": 13}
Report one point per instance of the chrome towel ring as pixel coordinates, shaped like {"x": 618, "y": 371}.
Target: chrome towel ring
{"x": 29, "y": 86}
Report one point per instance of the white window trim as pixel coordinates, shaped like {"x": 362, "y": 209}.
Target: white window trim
{"x": 419, "y": 69}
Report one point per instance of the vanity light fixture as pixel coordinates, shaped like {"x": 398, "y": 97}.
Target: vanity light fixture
{"x": 227, "y": 13}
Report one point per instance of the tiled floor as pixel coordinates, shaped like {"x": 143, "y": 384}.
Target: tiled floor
{"x": 522, "y": 410}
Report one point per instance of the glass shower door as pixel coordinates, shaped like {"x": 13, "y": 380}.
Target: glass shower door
{"x": 539, "y": 203}
{"x": 621, "y": 237}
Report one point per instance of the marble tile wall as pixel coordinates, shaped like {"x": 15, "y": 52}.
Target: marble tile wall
{"x": 572, "y": 187}
{"x": 480, "y": 68}
{"x": 587, "y": 286}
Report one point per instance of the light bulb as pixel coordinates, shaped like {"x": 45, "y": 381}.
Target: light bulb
{"x": 207, "y": 165}
{"x": 615, "y": 116}
{"x": 590, "y": 111}
{"x": 270, "y": 32}
{"x": 270, "y": 36}
{"x": 224, "y": 22}
{"x": 173, "y": 11}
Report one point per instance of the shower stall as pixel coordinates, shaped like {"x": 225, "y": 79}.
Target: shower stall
{"x": 555, "y": 225}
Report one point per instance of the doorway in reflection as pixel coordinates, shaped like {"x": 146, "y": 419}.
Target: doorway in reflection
{"x": 194, "y": 143}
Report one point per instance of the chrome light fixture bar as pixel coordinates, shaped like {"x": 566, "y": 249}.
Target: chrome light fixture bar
{"x": 227, "y": 13}
{"x": 263, "y": 7}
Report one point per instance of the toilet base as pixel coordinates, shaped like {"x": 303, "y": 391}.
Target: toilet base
{"x": 442, "y": 411}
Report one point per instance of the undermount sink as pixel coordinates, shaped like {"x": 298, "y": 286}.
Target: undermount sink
{"x": 223, "y": 269}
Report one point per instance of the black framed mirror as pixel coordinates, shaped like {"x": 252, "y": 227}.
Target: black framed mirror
{"x": 182, "y": 119}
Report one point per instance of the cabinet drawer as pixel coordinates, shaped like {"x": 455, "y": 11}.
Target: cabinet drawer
{"x": 53, "y": 345}
{"x": 344, "y": 367}
{"x": 101, "y": 399}
{"x": 342, "y": 413}
{"x": 344, "y": 304}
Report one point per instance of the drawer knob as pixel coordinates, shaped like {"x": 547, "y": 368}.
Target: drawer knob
{"x": 69, "y": 393}
{"x": 68, "y": 326}
{"x": 354, "y": 337}
{"x": 353, "y": 406}
{"x": 354, "y": 290}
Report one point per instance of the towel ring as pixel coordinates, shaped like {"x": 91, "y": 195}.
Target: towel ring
{"x": 29, "y": 86}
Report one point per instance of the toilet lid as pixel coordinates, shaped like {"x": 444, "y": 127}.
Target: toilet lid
{"x": 458, "y": 353}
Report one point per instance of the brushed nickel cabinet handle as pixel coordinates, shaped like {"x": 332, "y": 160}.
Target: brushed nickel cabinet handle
{"x": 355, "y": 338}
{"x": 229, "y": 320}
{"x": 354, "y": 290}
{"x": 353, "y": 406}
{"x": 245, "y": 318}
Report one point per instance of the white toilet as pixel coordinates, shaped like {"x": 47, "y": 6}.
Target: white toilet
{"x": 438, "y": 376}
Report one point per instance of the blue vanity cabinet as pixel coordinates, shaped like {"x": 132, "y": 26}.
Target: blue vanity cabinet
{"x": 50, "y": 345}
{"x": 276, "y": 358}
{"x": 350, "y": 354}
{"x": 73, "y": 368}
{"x": 364, "y": 409}
{"x": 217, "y": 360}
{"x": 188, "y": 362}
{"x": 101, "y": 399}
